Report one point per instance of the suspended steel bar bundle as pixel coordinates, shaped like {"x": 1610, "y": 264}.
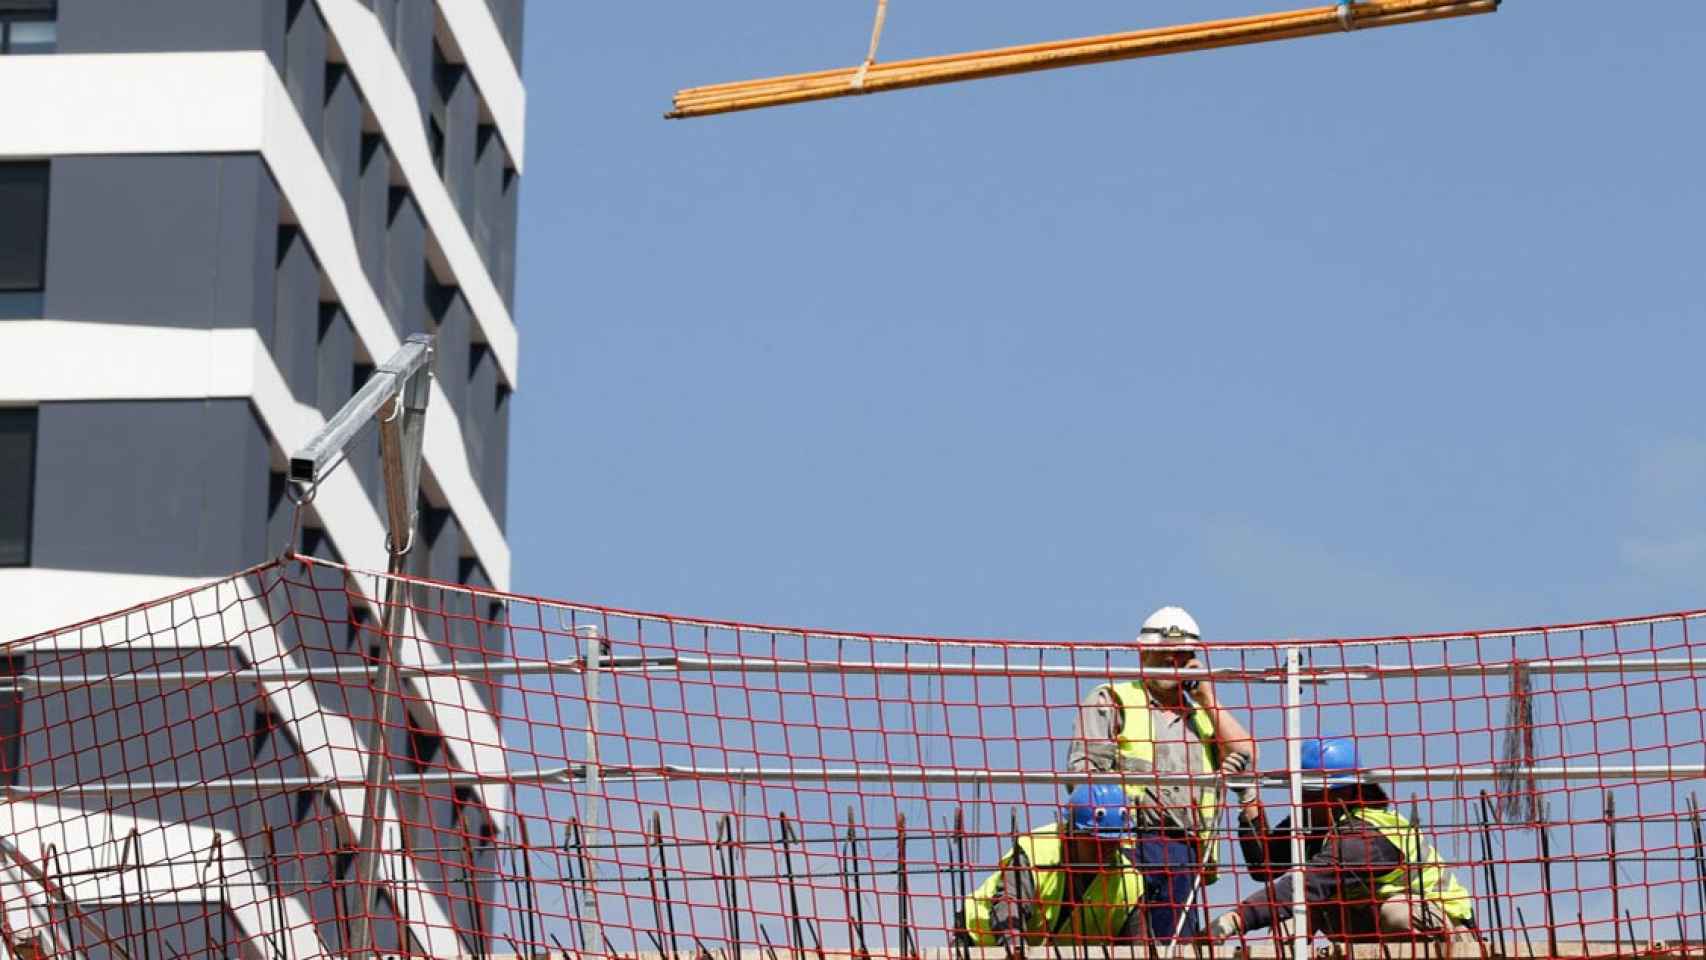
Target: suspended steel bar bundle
{"x": 953, "y": 68}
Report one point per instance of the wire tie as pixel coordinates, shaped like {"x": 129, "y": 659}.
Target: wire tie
{"x": 1347, "y": 17}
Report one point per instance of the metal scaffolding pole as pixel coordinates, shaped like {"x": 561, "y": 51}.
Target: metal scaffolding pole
{"x": 1294, "y": 765}
{"x": 396, "y": 396}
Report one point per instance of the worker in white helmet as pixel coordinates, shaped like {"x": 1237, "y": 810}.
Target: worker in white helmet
{"x": 1168, "y": 726}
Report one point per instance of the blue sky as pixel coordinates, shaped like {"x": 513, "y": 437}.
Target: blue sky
{"x": 1389, "y": 332}
{"x": 1356, "y": 334}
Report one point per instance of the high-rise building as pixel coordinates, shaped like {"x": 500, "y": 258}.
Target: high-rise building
{"x": 216, "y": 217}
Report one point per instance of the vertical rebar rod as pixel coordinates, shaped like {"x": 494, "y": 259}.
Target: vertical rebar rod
{"x": 961, "y": 886}
{"x": 469, "y": 890}
{"x": 1611, "y": 869}
{"x": 571, "y": 890}
{"x": 1699, "y": 860}
{"x": 858, "y": 921}
{"x": 1522, "y": 919}
{"x": 1545, "y": 828}
{"x": 123, "y": 895}
{"x": 796, "y": 938}
{"x": 225, "y": 941}
{"x": 535, "y": 923}
{"x": 725, "y": 849}
{"x": 142, "y": 899}
{"x": 1013, "y": 939}
{"x": 275, "y": 889}
{"x": 1294, "y": 766}
{"x": 1492, "y": 874}
{"x": 586, "y": 912}
{"x": 663, "y": 875}
{"x": 908, "y": 937}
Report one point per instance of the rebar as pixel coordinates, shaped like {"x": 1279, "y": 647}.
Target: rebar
{"x": 1492, "y": 874}
{"x": 796, "y": 938}
{"x": 1611, "y": 867}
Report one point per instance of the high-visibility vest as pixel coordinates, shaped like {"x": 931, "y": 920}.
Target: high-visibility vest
{"x": 1423, "y": 874}
{"x": 1115, "y": 892}
{"x": 1137, "y": 742}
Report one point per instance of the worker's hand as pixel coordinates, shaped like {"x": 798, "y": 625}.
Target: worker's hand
{"x": 1226, "y": 926}
{"x": 1202, "y": 691}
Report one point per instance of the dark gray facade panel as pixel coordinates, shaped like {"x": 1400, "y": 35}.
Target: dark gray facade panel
{"x": 444, "y": 548}
{"x": 247, "y": 249}
{"x": 482, "y": 415}
{"x": 450, "y": 355}
{"x": 176, "y": 26}
{"x": 305, "y": 63}
{"x": 373, "y": 207}
{"x": 334, "y": 360}
{"x": 490, "y": 161}
{"x": 404, "y": 293}
{"x": 296, "y": 315}
{"x": 183, "y": 241}
{"x": 497, "y": 459}
{"x": 341, "y": 143}
{"x": 511, "y": 208}
{"x": 170, "y": 487}
{"x": 462, "y": 116}
{"x": 413, "y": 41}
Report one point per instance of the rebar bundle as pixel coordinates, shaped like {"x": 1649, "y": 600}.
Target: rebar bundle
{"x": 1154, "y": 42}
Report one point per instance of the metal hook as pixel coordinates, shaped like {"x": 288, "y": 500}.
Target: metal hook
{"x": 410, "y": 545}
{"x": 396, "y": 408}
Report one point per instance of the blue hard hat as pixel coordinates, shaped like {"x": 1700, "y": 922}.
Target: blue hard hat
{"x": 1334, "y": 756}
{"x": 1098, "y": 808}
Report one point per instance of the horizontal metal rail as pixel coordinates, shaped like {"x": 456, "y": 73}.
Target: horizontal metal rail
{"x": 284, "y": 784}
{"x": 759, "y": 665}
{"x": 571, "y": 775}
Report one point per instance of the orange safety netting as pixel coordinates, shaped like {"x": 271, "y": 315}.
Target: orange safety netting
{"x": 188, "y": 778}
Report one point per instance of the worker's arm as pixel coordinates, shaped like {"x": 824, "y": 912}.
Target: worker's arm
{"x": 1344, "y": 869}
{"x": 1234, "y": 745}
{"x": 1003, "y": 906}
{"x": 1267, "y": 850}
{"x": 1095, "y": 747}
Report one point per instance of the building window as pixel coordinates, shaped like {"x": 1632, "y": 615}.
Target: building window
{"x": 23, "y": 238}
{"x": 11, "y": 721}
{"x": 28, "y": 26}
{"x": 17, "y": 483}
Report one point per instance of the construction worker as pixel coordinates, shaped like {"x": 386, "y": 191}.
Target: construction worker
{"x": 1164, "y": 725}
{"x": 1069, "y": 882}
{"x": 1370, "y": 875}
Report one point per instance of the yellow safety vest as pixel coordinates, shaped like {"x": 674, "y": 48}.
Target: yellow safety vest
{"x": 1111, "y": 896}
{"x": 1137, "y": 742}
{"x": 1423, "y": 874}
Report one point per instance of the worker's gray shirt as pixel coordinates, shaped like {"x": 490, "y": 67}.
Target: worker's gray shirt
{"x": 1095, "y": 748}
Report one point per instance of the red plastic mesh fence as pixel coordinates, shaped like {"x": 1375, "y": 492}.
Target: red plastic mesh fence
{"x": 188, "y": 778}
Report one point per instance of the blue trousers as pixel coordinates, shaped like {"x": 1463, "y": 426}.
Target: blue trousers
{"x": 1170, "y": 870}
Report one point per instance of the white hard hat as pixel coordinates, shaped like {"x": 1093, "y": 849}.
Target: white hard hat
{"x": 1170, "y": 627}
